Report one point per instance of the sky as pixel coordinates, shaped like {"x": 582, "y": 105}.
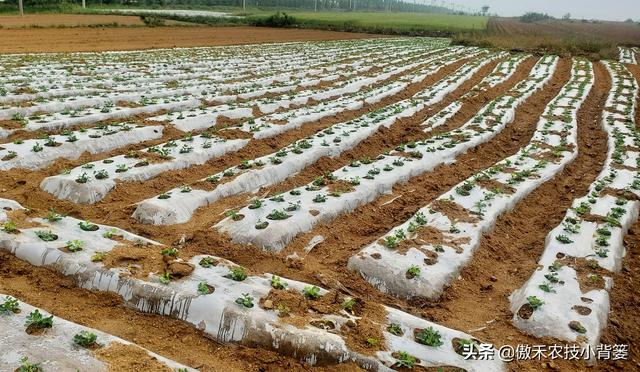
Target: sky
{"x": 615, "y": 10}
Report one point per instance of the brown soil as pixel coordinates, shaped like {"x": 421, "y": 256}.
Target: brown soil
{"x": 300, "y": 309}
{"x": 624, "y": 324}
{"x": 453, "y": 211}
{"x": 490, "y": 184}
{"x": 10, "y": 124}
{"x": 340, "y": 187}
{"x": 135, "y": 38}
{"x": 426, "y": 234}
{"x": 21, "y": 218}
{"x": 590, "y": 275}
{"x": 362, "y": 335}
{"x": 51, "y": 20}
{"x": 139, "y": 260}
{"x": 128, "y": 104}
{"x": 168, "y": 337}
{"x": 525, "y": 311}
{"x": 365, "y": 335}
{"x": 506, "y": 257}
{"x": 129, "y": 358}
{"x": 36, "y": 331}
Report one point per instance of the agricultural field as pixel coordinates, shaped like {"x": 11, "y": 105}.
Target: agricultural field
{"x": 593, "y": 39}
{"x": 394, "y": 22}
{"x": 629, "y": 55}
{"x": 95, "y": 39}
{"x": 67, "y": 20}
{"x": 337, "y": 205}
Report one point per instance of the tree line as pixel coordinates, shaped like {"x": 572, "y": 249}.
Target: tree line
{"x": 344, "y": 5}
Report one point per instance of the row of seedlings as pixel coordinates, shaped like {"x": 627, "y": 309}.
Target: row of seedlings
{"x": 60, "y": 114}
{"x": 178, "y": 205}
{"x": 40, "y": 152}
{"x": 229, "y": 304}
{"x": 90, "y": 73}
{"x": 500, "y": 74}
{"x": 420, "y": 257}
{"x": 205, "y": 117}
{"x": 273, "y": 124}
{"x": 171, "y": 74}
{"x": 567, "y": 296}
{"x": 270, "y": 226}
{"x": 91, "y": 181}
{"x": 34, "y": 340}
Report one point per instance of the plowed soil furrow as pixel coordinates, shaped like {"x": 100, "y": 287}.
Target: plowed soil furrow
{"x": 624, "y": 322}
{"x": 410, "y": 129}
{"x": 41, "y": 40}
{"x": 403, "y": 130}
{"x": 509, "y": 254}
{"x": 348, "y": 233}
{"x": 115, "y": 209}
{"x": 326, "y": 264}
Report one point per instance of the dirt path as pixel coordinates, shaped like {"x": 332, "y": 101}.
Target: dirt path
{"x": 135, "y": 38}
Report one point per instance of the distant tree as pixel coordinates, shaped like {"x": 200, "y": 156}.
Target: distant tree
{"x": 629, "y": 20}
{"x": 566, "y": 17}
{"x": 485, "y": 9}
{"x": 531, "y": 17}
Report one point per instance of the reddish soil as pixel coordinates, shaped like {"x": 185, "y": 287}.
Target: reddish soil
{"x": 134, "y": 38}
{"x": 624, "y": 323}
{"x": 129, "y": 358}
{"x": 505, "y": 259}
{"x": 23, "y": 186}
{"x": 168, "y": 337}
{"x": 67, "y": 20}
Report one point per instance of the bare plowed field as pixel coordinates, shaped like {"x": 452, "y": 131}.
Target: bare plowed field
{"x": 80, "y": 39}
{"x": 68, "y": 20}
